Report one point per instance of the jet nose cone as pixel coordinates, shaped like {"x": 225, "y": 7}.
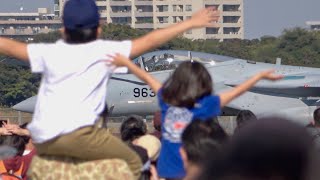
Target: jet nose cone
{"x": 26, "y": 105}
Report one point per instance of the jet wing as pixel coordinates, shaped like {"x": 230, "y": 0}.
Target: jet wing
{"x": 268, "y": 105}
{"x": 290, "y": 86}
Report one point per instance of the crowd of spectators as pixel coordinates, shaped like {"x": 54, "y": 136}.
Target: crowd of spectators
{"x": 268, "y": 148}
{"x": 17, "y": 137}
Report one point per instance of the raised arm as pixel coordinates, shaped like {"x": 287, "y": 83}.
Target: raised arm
{"x": 120, "y": 60}
{"x": 228, "y": 96}
{"x": 14, "y": 49}
{"x": 156, "y": 38}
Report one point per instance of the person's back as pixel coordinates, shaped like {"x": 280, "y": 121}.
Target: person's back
{"x": 185, "y": 96}
{"x": 72, "y": 92}
{"x": 73, "y": 89}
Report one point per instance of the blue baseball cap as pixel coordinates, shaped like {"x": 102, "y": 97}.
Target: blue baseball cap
{"x": 80, "y": 14}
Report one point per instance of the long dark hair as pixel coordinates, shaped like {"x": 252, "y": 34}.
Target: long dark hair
{"x": 189, "y": 82}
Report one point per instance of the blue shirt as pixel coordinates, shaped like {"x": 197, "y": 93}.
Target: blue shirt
{"x": 174, "y": 120}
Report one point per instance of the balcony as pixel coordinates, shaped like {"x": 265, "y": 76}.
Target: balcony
{"x": 212, "y": 30}
{"x": 120, "y": 3}
{"x": 162, "y": 8}
{"x": 121, "y": 20}
{"x": 25, "y": 31}
{"x": 177, "y": 19}
{"x": 231, "y": 30}
{"x": 231, "y": 13}
{"x": 231, "y": 19}
{"x": 216, "y": 6}
{"x": 120, "y": 11}
{"x": 233, "y": 36}
{"x": 228, "y": 8}
{"x": 232, "y": 2}
{"x": 31, "y": 22}
{"x": 143, "y": 14}
{"x": 163, "y": 20}
{"x": 143, "y": 2}
{"x": 177, "y": 8}
{"x": 144, "y": 11}
{"x": 120, "y": 14}
{"x": 103, "y": 14}
{"x": 144, "y": 25}
{"x": 101, "y": 3}
{"x": 144, "y": 20}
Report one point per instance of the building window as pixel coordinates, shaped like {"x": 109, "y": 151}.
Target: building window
{"x": 144, "y": 20}
{"x": 212, "y": 30}
{"x": 231, "y": 19}
{"x": 144, "y": 8}
{"x": 164, "y": 19}
{"x": 177, "y": 8}
{"x": 163, "y": 8}
{"x": 120, "y": 9}
{"x": 231, "y": 7}
{"x": 231, "y": 30}
{"x": 188, "y": 7}
{"x": 121, "y": 20}
{"x": 177, "y": 19}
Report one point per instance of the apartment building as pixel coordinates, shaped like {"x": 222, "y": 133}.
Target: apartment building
{"x": 314, "y": 25}
{"x": 154, "y": 14}
{"x": 25, "y": 25}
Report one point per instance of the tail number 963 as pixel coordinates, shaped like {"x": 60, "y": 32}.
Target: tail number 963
{"x": 143, "y": 92}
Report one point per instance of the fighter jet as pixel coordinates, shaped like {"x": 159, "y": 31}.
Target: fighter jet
{"x": 296, "y": 96}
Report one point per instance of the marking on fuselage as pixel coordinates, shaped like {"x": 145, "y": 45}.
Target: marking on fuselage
{"x": 139, "y": 102}
{"x": 129, "y": 81}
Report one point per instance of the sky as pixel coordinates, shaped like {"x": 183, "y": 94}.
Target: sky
{"x": 261, "y": 17}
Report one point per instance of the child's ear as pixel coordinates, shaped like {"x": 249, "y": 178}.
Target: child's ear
{"x": 62, "y": 32}
{"x": 184, "y": 156}
{"x": 99, "y": 32}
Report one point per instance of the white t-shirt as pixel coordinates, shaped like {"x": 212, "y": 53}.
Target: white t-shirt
{"x": 73, "y": 87}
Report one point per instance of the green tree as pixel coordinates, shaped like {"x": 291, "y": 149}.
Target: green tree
{"x": 16, "y": 84}
{"x": 47, "y": 38}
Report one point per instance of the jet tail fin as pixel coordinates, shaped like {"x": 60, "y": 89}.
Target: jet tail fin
{"x": 143, "y": 64}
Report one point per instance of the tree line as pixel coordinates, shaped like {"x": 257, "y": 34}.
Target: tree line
{"x": 295, "y": 47}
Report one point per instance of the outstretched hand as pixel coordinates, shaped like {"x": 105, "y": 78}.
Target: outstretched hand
{"x": 4, "y": 131}
{"x": 118, "y": 60}
{"x": 205, "y": 18}
{"x": 269, "y": 75}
